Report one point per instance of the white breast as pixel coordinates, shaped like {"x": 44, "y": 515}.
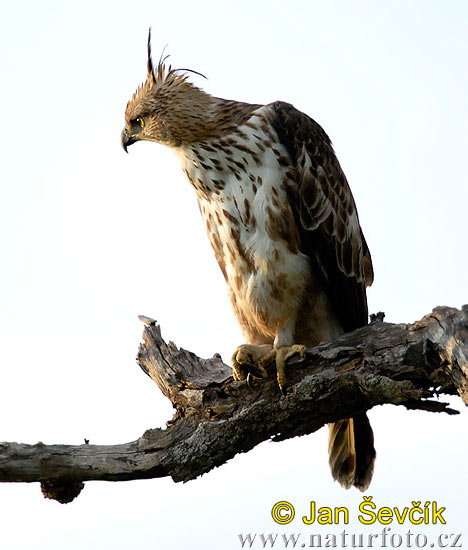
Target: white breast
{"x": 239, "y": 180}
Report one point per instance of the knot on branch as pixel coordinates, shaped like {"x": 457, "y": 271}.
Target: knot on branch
{"x": 62, "y": 490}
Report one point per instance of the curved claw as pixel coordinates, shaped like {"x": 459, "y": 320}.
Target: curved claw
{"x": 249, "y": 362}
{"x": 245, "y": 362}
{"x": 280, "y": 355}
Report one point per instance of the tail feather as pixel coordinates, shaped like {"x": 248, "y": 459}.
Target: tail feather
{"x": 351, "y": 452}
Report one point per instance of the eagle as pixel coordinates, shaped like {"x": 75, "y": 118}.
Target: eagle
{"x": 283, "y": 225}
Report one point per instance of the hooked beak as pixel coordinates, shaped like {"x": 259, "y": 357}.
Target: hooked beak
{"x": 126, "y": 140}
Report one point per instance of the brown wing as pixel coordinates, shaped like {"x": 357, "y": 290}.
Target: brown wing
{"x": 326, "y": 215}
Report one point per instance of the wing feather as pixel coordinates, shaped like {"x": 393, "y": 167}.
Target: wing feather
{"x": 326, "y": 215}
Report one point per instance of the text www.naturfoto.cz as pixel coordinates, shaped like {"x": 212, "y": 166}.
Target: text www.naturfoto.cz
{"x": 384, "y": 539}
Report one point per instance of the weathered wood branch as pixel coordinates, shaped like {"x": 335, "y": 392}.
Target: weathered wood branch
{"x": 216, "y": 418}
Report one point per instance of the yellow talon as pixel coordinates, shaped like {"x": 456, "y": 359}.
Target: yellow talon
{"x": 250, "y": 361}
{"x": 245, "y": 361}
{"x": 280, "y": 356}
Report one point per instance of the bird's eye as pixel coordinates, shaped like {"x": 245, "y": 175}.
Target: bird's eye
{"x": 140, "y": 122}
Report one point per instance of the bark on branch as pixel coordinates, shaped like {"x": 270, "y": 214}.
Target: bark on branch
{"x": 216, "y": 418}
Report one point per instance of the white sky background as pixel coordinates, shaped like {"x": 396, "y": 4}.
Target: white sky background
{"x": 91, "y": 237}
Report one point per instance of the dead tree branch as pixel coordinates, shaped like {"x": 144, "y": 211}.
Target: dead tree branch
{"x": 216, "y": 418}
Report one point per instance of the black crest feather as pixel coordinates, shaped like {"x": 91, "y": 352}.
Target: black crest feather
{"x": 150, "y": 62}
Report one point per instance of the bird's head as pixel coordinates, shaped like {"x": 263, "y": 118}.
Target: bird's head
{"x": 167, "y": 108}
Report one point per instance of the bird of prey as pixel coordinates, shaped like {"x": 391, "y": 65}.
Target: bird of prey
{"x": 282, "y": 223}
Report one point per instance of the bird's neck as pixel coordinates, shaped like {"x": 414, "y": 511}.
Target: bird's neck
{"x": 198, "y": 116}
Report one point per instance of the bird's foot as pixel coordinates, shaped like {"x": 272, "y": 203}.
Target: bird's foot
{"x": 250, "y": 361}
{"x": 245, "y": 361}
{"x": 280, "y": 355}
